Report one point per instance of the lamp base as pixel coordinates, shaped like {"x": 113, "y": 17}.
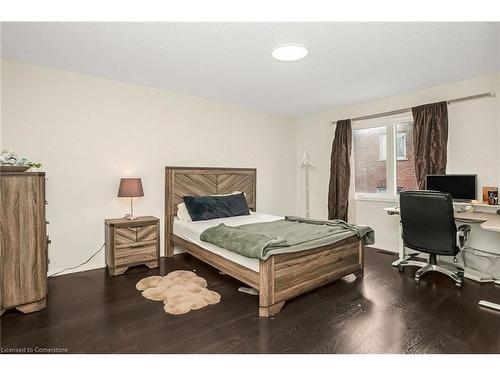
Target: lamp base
{"x": 130, "y": 216}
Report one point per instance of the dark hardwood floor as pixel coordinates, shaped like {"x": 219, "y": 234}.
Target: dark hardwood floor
{"x": 386, "y": 312}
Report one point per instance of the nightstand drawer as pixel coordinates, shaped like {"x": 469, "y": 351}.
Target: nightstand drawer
{"x": 138, "y": 252}
{"x": 147, "y": 233}
{"x": 125, "y": 235}
{"x": 134, "y": 245}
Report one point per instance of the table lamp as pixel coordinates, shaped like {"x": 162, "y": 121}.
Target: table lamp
{"x": 130, "y": 188}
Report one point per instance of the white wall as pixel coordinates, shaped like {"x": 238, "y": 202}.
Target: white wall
{"x": 474, "y": 135}
{"x": 88, "y": 132}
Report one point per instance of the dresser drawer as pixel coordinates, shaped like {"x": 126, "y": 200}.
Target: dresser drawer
{"x": 137, "y": 252}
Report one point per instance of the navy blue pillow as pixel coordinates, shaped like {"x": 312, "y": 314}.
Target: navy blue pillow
{"x": 213, "y": 207}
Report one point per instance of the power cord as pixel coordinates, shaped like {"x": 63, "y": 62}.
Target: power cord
{"x": 81, "y": 264}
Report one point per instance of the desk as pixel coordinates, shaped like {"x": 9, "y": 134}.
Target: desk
{"x": 487, "y": 221}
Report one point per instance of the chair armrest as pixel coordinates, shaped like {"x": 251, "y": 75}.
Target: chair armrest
{"x": 463, "y": 235}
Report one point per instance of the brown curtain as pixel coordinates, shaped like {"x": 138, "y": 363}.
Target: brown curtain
{"x": 340, "y": 171}
{"x": 430, "y": 140}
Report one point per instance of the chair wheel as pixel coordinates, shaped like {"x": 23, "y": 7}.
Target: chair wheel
{"x": 458, "y": 285}
{"x": 417, "y": 280}
{"x": 401, "y": 268}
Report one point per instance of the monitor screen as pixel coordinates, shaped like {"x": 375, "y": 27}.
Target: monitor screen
{"x": 460, "y": 186}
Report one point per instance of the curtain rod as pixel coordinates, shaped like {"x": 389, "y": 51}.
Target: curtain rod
{"x": 383, "y": 114}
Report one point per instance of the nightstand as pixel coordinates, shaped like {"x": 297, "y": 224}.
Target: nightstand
{"x": 132, "y": 242}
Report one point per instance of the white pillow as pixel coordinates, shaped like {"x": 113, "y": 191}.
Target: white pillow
{"x": 183, "y": 213}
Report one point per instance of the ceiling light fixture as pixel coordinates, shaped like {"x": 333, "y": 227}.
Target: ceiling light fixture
{"x": 290, "y": 52}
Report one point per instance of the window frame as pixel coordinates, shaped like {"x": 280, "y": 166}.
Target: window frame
{"x": 382, "y": 151}
{"x": 390, "y": 123}
{"x": 403, "y": 133}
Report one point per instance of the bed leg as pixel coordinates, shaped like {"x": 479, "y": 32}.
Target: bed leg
{"x": 170, "y": 250}
{"x": 267, "y": 307}
{"x": 169, "y": 242}
{"x": 169, "y": 246}
{"x": 267, "y": 311}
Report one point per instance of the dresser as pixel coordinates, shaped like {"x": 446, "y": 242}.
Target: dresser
{"x": 132, "y": 242}
{"x": 23, "y": 241}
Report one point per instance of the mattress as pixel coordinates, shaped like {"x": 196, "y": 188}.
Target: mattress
{"x": 191, "y": 231}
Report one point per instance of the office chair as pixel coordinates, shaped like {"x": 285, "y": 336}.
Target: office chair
{"x": 428, "y": 226}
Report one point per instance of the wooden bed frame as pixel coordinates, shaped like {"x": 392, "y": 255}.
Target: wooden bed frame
{"x": 281, "y": 276}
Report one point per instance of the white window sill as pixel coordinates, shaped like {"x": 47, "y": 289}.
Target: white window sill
{"x": 399, "y": 158}
{"x": 375, "y": 198}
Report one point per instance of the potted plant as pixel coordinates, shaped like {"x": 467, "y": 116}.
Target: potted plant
{"x": 10, "y": 162}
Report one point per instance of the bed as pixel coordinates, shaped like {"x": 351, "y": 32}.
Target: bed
{"x": 278, "y": 278}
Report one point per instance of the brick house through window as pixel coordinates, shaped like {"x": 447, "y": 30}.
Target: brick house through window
{"x": 370, "y": 149}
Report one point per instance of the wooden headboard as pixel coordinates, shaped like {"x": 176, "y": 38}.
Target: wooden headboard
{"x": 199, "y": 181}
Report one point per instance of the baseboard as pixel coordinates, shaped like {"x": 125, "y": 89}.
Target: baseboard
{"x": 86, "y": 267}
{"x": 383, "y": 247}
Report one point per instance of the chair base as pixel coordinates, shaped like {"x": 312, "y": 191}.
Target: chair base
{"x": 454, "y": 272}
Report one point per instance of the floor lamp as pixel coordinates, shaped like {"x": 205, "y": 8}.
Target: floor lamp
{"x": 306, "y": 165}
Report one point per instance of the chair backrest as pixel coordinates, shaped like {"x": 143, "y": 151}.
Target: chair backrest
{"x": 428, "y": 222}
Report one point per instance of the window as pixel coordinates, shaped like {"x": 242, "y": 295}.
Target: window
{"x": 405, "y": 166}
{"x": 370, "y": 167}
{"x": 375, "y": 175}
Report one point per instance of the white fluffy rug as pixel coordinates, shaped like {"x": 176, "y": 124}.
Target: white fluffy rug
{"x": 180, "y": 291}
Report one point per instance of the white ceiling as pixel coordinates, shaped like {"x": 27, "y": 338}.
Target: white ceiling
{"x": 347, "y": 63}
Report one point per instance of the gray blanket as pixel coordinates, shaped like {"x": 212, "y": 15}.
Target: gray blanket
{"x": 261, "y": 240}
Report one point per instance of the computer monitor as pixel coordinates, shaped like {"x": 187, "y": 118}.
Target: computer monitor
{"x": 462, "y": 187}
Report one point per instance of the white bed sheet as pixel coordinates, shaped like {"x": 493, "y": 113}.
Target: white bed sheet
{"x": 191, "y": 231}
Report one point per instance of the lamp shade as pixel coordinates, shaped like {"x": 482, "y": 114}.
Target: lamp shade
{"x": 130, "y": 187}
